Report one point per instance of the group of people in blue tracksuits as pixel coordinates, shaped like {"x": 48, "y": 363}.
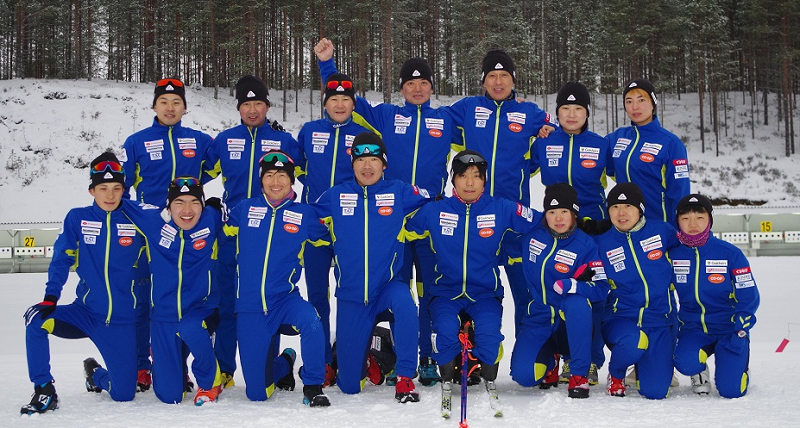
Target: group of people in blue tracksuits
{"x": 637, "y": 270}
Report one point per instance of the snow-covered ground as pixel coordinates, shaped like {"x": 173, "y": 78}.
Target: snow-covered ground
{"x": 51, "y": 129}
{"x": 771, "y": 401}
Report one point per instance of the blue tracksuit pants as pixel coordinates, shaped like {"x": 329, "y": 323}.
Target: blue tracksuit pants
{"x": 649, "y": 349}
{"x": 486, "y": 315}
{"x": 354, "y": 324}
{"x": 317, "y": 268}
{"x": 225, "y": 278}
{"x": 167, "y": 342}
{"x": 255, "y": 353}
{"x": 731, "y": 375}
{"x": 116, "y": 343}
{"x": 538, "y": 340}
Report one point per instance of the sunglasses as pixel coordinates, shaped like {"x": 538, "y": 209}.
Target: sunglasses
{"x": 185, "y": 181}
{"x": 346, "y": 84}
{"x": 108, "y": 165}
{"x": 272, "y": 157}
{"x": 472, "y": 159}
{"x": 173, "y": 82}
{"x": 367, "y": 149}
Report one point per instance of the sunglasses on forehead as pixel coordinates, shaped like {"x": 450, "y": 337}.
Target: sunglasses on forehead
{"x": 276, "y": 156}
{"x": 173, "y": 82}
{"x": 185, "y": 181}
{"x": 471, "y": 159}
{"x": 346, "y": 84}
{"x": 367, "y": 149}
{"x": 108, "y": 166}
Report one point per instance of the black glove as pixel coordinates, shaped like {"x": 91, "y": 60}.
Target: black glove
{"x": 585, "y": 275}
{"x": 215, "y": 203}
{"x": 277, "y": 126}
{"x": 595, "y": 227}
{"x": 45, "y": 307}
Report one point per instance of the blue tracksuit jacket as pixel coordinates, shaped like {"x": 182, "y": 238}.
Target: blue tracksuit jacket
{"x": 579, "y": 160}
{"x": 325, "y": 159}
{"x": 716, "y": 289}
{"x": 417, "y": 137}
{"x": 180, "y": 261}
{"x": 360, "y": 219}
{"x": 639, "y": 273}
{"x": 103, "y": 247}
{"x": 270, "y": 245}
{"x": 466, "y": 239}
{"x": 503, "y": 133}
{"x": 547, "y": 259}
{"x": 654, "y": 159}
{"x": 154, "y": 156}
{"x": 235, "y": 153}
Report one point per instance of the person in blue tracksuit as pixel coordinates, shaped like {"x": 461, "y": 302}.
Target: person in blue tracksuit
{"x": 638, "y": 323}
{"x": 419, "y": 138}
{"x": 718, "y": 302}
{"x": 503, "y": 130}
{"x": 234, "y": 156}
{"x": 650, "y": 156}
{"x": 153, "y": 157}
{"x": 325, "y": 161}
{"x": 181, "y": 249}
{"x": 103, "y": 246}
{"x": 466, "y": 232}
{"x": 272, "y": 234}
{"x": 574, "y": 155}
{"x": 566, "y": 278}
{"x": 365, "y": 218}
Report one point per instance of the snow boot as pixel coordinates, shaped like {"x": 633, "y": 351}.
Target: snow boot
{"x": 374, "y": 373}
{"x": 44, "y": 398}
{"x": 428, "y": 376}
{"x": 287, "y": 383}
{"x": 227, "y": 380}
{"x": 89, "y": 366}
{"x": 700, "y": 383}
{"x": 565, "y": 373}
{"x": 405, "y": 391}
{"x": 551, "y": 377}
{"x": 578, "y": 387}
{"x": 207, "y": 396}
{"x": 592, "y": 376}
{"x": 616, "y": 387}
{"x": 314, "y": 397}
{"x": 143, "y": 380}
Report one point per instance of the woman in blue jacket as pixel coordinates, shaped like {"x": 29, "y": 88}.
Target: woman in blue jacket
{"x": 565, "y": 278}
{"x": 649, "y": 155}
{"x": 637, "y": 326}
{"x": 718, "y": 301}
{"x": 574, "y": 155}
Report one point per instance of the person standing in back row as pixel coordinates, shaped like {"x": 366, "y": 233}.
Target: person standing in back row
{"x": 234, "y": 155}
{"x": 419, "y": 138}
{"x": 152, "y": 158}
{"x": 325, "y": 145}
{"x": 503, "y": 130}
{"x": 648, "y": 155}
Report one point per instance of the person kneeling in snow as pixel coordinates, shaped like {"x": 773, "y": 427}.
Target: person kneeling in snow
{"x": 718, "y": 301}
{"x": 181, "y": 248}
{"x": 103, "y": 245}
{"x": 272, "y": 233}
{"x": 365, "y": 217}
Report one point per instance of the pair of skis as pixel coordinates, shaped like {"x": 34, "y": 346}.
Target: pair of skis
{"x": 491, "y": 389}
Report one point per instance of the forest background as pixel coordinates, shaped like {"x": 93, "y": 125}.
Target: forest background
{"x": 706, "y": 48}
